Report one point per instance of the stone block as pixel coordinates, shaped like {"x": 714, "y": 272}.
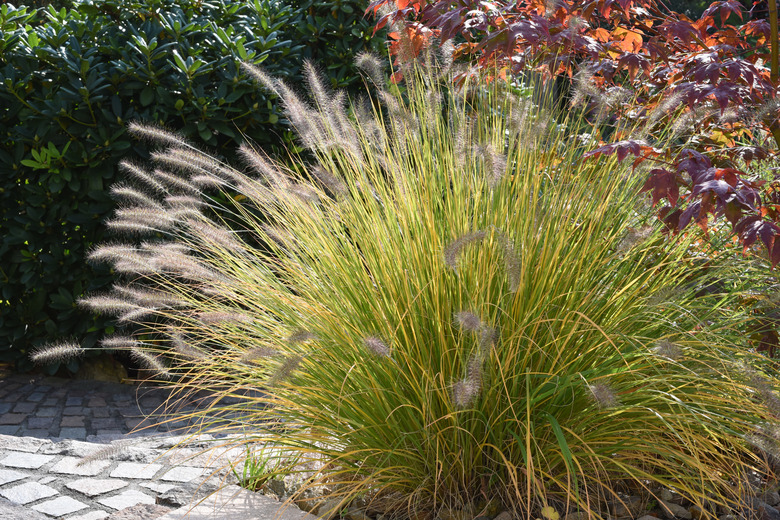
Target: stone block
{"x": 46, "y": 412}
{"x": 60, "y": 506}
{"x": 40, "y": 422}
{"x": 25, "y": 460}
{"x": 135, "y": 470}
{"x": 96, "y": 402}
{"x": 70, "y": 466}
{"x": 51, "y": 401}
{"x": 74, "y": 401}
{"x": 22, "y": 444}
{"x": 36, "y": 432}
{"x": 27, "y": 492}
{"x": 37, "y": 397}
{"x": 10, "y": 430}
{"x": 96, "y": 486}
{"x": 12, "y": 418}
{"x": 73, "y": 433}
{"x": 126, "y": 499}
{"x": 72, "y": 421}
{"x": 92, "y": 515}
{"x": 182, "y": 474}
{"x": 5, "y": 407}
{"x": 105, "y": 424}
{"x": 238, "y": 504}
{"x": 158, "y": 487}
{"x": 72, "y": 410}
{"x": 9, "y": 475}
{"x": 100, "y": 412}
{"x": 25, "y": 407}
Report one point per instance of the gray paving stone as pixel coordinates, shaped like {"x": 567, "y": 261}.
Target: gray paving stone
{"x": 40, "y": 434}
{"x": 96, "y": 402}
{"x": 25, "y": 460}
{"x": 158, "y": 487}
{"x": 51, "y": 401}
{"x": 96, "y": 486}
{"x": 92, "y": 515}
{"x": 106, "y": 424}
{"x": 5, "y": 407}
{"x": 72, "y": 421}
{"x": 70, "y": 466}
{"x": 126, "y": 499}
{"x": 9, "y": 430}
{"x": 40, "y": 422}
{"x": 25, "y": 407}
{"x": 74, "y": 401}
{"x": 36, "y": 397}
{"x": 27, "y": 492}
{"x": 46, "y": 480}
{"x": 100, "y": 412}
{"x": 135, "y": 470}
{"x": 72, "y": 410}
{"x": 9, "y": 475}
{"x": 182, "y": 474}
{"x": 60, "y": 506}
{"x": 73, "y": 433}
{"x": 46, "y": 412}
{"x": 12, "y": 418}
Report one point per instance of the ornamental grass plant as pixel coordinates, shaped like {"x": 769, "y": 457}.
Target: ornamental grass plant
{"x": 444, "y": 307}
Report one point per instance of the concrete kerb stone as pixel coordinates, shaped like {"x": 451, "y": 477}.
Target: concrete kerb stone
{"x": 235, "y": 503}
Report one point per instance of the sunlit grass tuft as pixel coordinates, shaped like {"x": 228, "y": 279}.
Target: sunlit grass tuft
{"x": 447, "y": 307}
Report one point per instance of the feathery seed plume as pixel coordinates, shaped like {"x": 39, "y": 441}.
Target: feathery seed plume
{"x": 123, "y": 191}
{"x": 512, "y": 263}
{"x": 176, "y": 182}
{"x": 469, "y": 321}
{"x": 142, "y": 175}
{"x": 134, "y": 315}
{"x": 266, "y": 80}
{"x": 258, "y": 353}
{"x": 157, "y": 135}
{"x": 150, "y": 362}
{"x": 146, "y": 297}
{"x": 56, "y": 352}
{"x": 260, "y": 162}
{"x": 453, "y": 250}
{"x": 602, "y": 395}
{"x": 108, "y": 304}
{"x": 216, "y": 235}
{"x": 372, "y": 66}
{"x": 183, "y": 348}
{"x": 285, "y": 370}
{"x": 667, "y": 349}
{"x": 337, "y": 187}
{"x": 111, "y": 252}
{"x": 488, "y": 337}
{"x": 377, "y": 346}
{"x": 212, "y": 318}
{"x": 119, "y": 343}
{"x": 300, "y": 336}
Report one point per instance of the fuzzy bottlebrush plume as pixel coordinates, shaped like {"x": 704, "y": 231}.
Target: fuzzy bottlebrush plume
{"x": 174, "y": 182}
{"x": 258, "y": 353}
{"x": 142, "y": 175}
{"x": 667, "y": 349}
{"x": 150, "y": 362}
{"x": 469, "y": 321}
{"x": 466, "y": 391}
{"x": 128, "y": 193}
{"x": 216, "y": 317}
{"x": 333, "y": 184}
{"x": 120, "y": 343}
{"x": 56, "y": 353}
{"x": 453, "y": 250}
{"x": 157, "y": 135}
{"x": 183, "y": 348}
{"x": 377, "y": 346}
{"x": 602, "y": 395}
{"x": 300, "y": 336}
{"x": 372, "y": 66}
{"x": 285, "y": 370}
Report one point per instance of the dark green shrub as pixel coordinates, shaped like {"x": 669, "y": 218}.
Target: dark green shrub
{"x": 71, "y": 79}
